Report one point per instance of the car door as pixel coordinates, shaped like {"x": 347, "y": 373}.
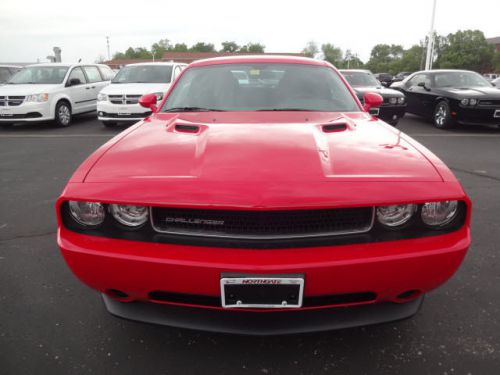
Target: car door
{"x": 77, "y": 92}
{"x": 96, "y": 84}
{"x": 415, "y": 94}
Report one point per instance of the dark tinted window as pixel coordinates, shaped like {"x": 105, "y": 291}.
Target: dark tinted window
{"x": 239, "y": 87}
{"x": 360, "y": 79}
{"x": 459, "y": 80}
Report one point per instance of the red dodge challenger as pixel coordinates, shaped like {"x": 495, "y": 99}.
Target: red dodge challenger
{"x": 260, "y": 197}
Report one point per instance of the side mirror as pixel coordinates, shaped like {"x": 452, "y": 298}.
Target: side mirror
{"x": 75, "y": 82}
{"x": 148, "y": 101}
{"x": 422, "y": 84}
{"x": 372, "y": 101}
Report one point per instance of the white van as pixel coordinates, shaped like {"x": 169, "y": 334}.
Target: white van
{"x": 120, "y": 100}
{"x": 54, "y": 91}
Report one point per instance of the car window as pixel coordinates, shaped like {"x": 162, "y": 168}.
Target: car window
{"x": 40, "y": 74}
{"x": 460, "y": 79}
{"x": 144, "y": 74}
{"x": 107, "y": 73}
{"x": 93, "y": 74}
{"x": 415, "y": 80}
{"x": 177, "y": 71}
{"x": 266, "y": 87}
{"x": 77, "y": 73}
{"x": 4, "y": 74}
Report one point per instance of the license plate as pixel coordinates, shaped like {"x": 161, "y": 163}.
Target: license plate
{"x": 270, "y": 292}
{"x": 6, "y": 113}
{"x": 124, "y": 113}
{"x": 497, "y": 114}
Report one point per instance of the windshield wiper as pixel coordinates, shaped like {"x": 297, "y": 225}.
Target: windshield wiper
{"x": 193, "y": 109}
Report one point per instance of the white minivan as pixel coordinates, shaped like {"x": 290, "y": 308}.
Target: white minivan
{"x": 53, "y": 91}
{"x": 120, "y": 100}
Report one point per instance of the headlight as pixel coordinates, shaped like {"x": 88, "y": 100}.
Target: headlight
{"x": 438, "y": 214}
{"x": 87, "y": 213}
{"x": 393, "y": 100}
{"x": 37, "y": 98}
{"x": 102, "y": 97}
{"x": 395, "y": 215}
{"x": 159, "y": 96}
{"x": 401, "y": 100}
{"x": 472, "y": 101}
{"x": 129, "y": 215}
{"x": 464, "y": 101}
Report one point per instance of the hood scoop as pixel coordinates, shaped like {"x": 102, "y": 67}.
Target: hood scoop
{"x": 185, "y": 128}
{"x": 332, "y": 128}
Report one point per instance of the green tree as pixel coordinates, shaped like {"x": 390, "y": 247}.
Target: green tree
{"x": 179, "y": 47}
{"x": 351, "y": 61}
{"x": 496, "y": 61}
{"x": 466, "y": 49}
{"x": 252, "y": 48}
{"x": 385, "y": 58}
{"x": 412, "y": 59}
{"x": 332, "y": 54}
{"x": 229, "y": 46}
{"x": 311, "y": 49}
{"x": 202, "y": 47}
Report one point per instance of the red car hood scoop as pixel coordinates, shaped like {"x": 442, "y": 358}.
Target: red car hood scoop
{"x": 338, "y": 150}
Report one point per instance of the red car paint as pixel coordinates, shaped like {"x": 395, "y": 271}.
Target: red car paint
{"x": 263, "y": 161}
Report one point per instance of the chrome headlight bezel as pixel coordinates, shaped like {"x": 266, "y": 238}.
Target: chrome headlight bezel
{"x": 395, "y": 216}
{"x": 130, "y": 216}
{"x": 37, "y": 98}
{"x": 393, "y": 100}
{"x": 101, "y": 97}
{"x": 433, "y": 219}
{"x": 401, "y": 100}
{"x": 87, "y": 214}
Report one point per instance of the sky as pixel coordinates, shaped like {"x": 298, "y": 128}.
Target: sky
{"x": 29, "y": 29}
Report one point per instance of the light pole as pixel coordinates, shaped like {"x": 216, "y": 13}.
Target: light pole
{"x": 109, "y": 54}
{"x": 430, "y": 41}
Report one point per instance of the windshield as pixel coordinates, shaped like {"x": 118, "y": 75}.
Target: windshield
{"x": 40, "y": 75}
{"x": 260, "y": 87}
{"x": 460, "y": 80}
{"x": 144, "y": 74}
{"x": 4, "y": 74}
{"x": 361, "y": 79}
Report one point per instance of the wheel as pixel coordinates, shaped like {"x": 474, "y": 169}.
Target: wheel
{"x": 63, "y": 114}
{"x": 109, "y": 124}
{"x": 442, "y": 116}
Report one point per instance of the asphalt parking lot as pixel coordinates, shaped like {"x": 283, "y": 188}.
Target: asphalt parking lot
{"x": 51, "y": 324}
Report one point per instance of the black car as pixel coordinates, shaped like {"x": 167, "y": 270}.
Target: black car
{"x": 451, "y": 97}
{"x": 363, "y": 81}
{"x": 400, "y": 76}
{"x": 384, "y": 78}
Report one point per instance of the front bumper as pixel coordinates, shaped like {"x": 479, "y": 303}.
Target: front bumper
{"x": 255, "y": 323}
{"x": 478, "y": 115}
{"x": 145, "y": 270}
{"x": 392, "y": 113}
{"x": 107, "y": 111}
{"x": 26, "y": 112}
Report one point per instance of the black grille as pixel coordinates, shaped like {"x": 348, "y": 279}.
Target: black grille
{"x": 488, "y": 102}
{"x": 262, "y": 224}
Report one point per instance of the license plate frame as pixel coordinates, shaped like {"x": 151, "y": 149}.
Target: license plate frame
{"x": 275, "y": 292}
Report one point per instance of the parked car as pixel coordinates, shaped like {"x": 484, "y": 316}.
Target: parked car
{"x": 266, "y": 209}
{"x": 490, "y": 76}
{"x": 53, "y": 91}
{"x": 384, "y": 78}
{"x": 120, "y": 100}
{"x": 7, "y": 71}
{"x": 363, "y": 81}
{"x": 496, "y": 83}
{"x": 400, "y": 76}
{"x": 451, "y": 97}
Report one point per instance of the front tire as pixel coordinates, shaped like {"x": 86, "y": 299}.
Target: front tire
{"x": 109, "y": 124}
{"x": 442, "y": 116}
{"x": 63, "y": 114}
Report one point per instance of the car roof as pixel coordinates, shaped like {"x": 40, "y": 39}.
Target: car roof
{"x": 64, "y": 65}
{"x": 9, "y": 66}
{"x": 445, "y": 71}
{"x": 259, "y": 59}
{"x": 355, "y": 70}
{"x": 160, "y": 63}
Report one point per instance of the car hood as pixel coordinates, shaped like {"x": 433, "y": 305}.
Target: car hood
{"x": 475, "y": 92}
{"x": 135, "y": 88}
{"x": 254, "y": 147}
{"x": 379, "y": 90}
{"x": 22, "y": 89}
